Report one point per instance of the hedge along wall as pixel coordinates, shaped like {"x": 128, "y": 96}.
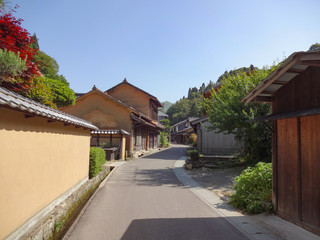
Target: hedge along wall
{"x": 39, "y": 163}
{"x": 97, "y": 159}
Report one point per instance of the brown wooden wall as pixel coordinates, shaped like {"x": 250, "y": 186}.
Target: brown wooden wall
{"x": 310, "y": 169}
{"x": 288, "y": 167}
{"x": 302, "y": 92}
{"x": 297, "y": 172}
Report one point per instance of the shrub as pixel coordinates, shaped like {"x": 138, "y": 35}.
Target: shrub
{"x": 11, "y": 65}
{"x": 164, "y": 139}
{"x": 41, "y": 92}
{"x": 97, "y": 159}
{"x": 194, "y": 155}
{"x": 253, "y": 189}
{"x": 193, "y": 138}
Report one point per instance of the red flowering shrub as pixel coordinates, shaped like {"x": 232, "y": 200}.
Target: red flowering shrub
{"x": 17, "y": 39}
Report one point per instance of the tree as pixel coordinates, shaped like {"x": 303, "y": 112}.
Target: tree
{"x": 34, "y": 44}
{"x": 166, "y": 122}
{"x": 202, "y": 88}
{"x": 51, "y": 92}
{"x": 62, "y": 94}
{"x": 209, "y": 86}
{"x": 11, "y": 65}
{"x": 314, "y": 47}
{"x": 164, "y": 135}
{"x": 17, "y": 39}
{"x": 22, "y": 75}
{"x": 234, "y": 72}
{"x": 47, "y": 65}
{"x": 41, "y": 91}
{"x": 229, "y": 115}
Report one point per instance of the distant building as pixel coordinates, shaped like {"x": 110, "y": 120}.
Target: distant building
{"x": 161, "y": 116}
{"x": 124, "y": 110}
{"x": 210, "y": 142}
{"x": 181, "y": 131}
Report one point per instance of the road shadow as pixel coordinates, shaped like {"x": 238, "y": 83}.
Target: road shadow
{"x": 217, "y": 228}
{"x": 173, "y": 153}
{"x": 157, "y": 177}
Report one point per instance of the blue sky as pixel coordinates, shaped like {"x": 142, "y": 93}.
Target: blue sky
{"x": 167, "y": 46}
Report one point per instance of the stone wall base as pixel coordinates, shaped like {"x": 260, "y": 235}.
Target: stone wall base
{"x": 56, "y": 223}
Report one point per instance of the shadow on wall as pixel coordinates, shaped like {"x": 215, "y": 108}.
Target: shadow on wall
{"x": 183, "y": 228}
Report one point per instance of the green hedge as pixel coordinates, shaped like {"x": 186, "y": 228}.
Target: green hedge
{"x": 164, "y": 139}
{"x": 97, "y": 159}
{"x": 194, "y": 155}
{"x": 253, "y": 189}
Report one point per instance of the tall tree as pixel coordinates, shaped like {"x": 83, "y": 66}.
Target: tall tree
{"x": 314, "y": 47}
{"x": 34, "y": 44}
{"x": 47, "y": 65}
{"x": 202, "y": 88}
{"x": 228, "y": 114}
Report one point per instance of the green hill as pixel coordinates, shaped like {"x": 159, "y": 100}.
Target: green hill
{"x": 166, "y": 105}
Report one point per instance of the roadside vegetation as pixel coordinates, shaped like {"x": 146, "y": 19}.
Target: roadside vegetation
{"x": 25, "y": 69}
{"x": 253, "y": 189}
{"x": 165, "y": 134}
{"x": 189, "y": 106}
{"x": 227, "y": 114}
{"x": 97, "y": 159}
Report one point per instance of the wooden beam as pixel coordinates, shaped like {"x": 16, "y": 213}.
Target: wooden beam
{"x": 29, "y": 116}
{"x": 295, "y": 70}
{"x": 278, "y": 82}
{"x": 289, "y": 63}
{"x": 313, "y": 63}
{"x": 263, "y": 99}
{"x": 267, "y": 92}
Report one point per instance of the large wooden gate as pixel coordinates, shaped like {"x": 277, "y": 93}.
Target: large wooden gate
{"x": 297, "y": 171}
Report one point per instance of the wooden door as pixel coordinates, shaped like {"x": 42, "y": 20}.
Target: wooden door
{"x": 288, "y": 168}
{"x": 310, "y": 169}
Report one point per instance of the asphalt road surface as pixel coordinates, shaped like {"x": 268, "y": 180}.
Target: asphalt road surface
{"x": 143, "y": 199}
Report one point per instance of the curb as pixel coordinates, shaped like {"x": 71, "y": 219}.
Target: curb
{"x": 245, "y": 225}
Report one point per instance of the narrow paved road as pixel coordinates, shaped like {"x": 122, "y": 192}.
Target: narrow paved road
{"x": 143, "y": 199}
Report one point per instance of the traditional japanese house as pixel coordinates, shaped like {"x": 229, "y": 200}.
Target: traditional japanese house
{"x": 161, "y": 116}
{"x": 44, "y": 159}
{"x": 210, "y": 142}
{"x": 126, "y": 117}
{"x": 293, "y": 90}
{"x": 181, "y": 131}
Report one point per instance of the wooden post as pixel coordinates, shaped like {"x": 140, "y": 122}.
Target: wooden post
{"x": 97, "y": 143}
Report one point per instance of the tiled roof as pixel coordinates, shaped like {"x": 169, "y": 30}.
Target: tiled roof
{"x": 199, "y": 120}
{"x": 189, "y": 119}
{"x": 111, "y": 132}
{"x": 17, "y": 102}
{"x": 161, "y": 114}
{"x": 146, "y": 120}
{"x": 159, "y": 104}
